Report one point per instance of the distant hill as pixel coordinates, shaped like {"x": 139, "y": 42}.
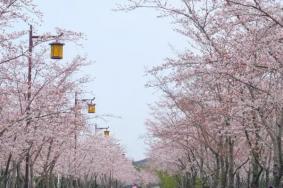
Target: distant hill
{"x": 141, "y": 163}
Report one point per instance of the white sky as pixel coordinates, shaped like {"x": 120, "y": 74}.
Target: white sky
{"x": 122, "y": 45}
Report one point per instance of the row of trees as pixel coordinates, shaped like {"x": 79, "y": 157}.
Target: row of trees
{"x": 47, "y": 127}
{"x": 219, "y": 122}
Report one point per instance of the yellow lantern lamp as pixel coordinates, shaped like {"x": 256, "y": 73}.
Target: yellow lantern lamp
{"x": 56, "y": 50}
{"x": 91, "y": 108}
{"x": 106, "y": 133}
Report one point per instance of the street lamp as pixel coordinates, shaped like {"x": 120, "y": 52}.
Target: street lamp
{"x": 91, "y": 108}
{"x": 91, "y": 104}
{"x": 31, "y": 37}
{"x": 56, "y": 50}
{"x": 106, "y": 131}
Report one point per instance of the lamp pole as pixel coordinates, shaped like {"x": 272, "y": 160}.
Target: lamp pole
{"x": 27, "y": 181}
{"x": 75, "y": 122}
{"x": 75, "y": 164}
{"x": 28, "y": 104}
{"x": 76, "y": 105}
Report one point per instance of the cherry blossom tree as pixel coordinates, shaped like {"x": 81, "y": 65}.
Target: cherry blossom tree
{"x": 225, "y": 93}
{"x": 39, "y": 118}
{"x": 12, "y": 14}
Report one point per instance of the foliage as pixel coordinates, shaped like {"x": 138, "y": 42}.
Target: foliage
{"x": 167, "y": 181}
{"x": 220, "y": 115}
{"x": 45, "y": 136}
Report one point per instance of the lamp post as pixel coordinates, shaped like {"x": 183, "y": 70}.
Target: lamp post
{"x": 31, "y": 37}
{"x": 91, "y": 109}
{"x": 91, "y": 104}
{"x": 106, "y": 131}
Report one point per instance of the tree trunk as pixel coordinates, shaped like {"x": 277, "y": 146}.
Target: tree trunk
{"x": 223, "y": 176}
{"x": 249, "y": 177}
{"x": 217, "y": 172}
{"x": 231, "y": 163}
{"x": 238, "y": 180}
{"x": 14, "y": 175}
{"x": 277, "y": 156}
{"x": 7, "y": 170}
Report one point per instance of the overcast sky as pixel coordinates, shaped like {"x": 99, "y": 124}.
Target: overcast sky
{"x": 122, "y": 45}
